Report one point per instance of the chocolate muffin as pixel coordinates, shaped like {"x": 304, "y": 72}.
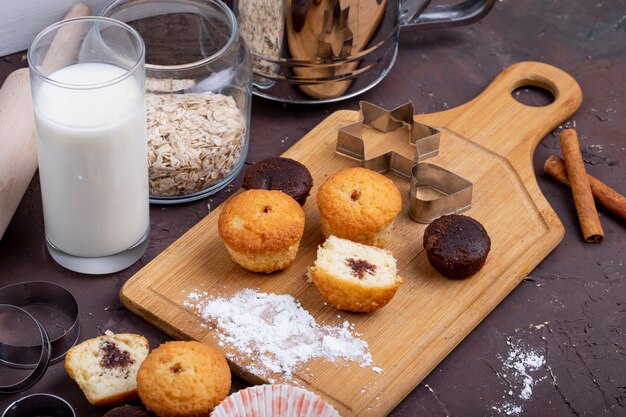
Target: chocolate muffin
{"x": 282, "y": 174}
{"x": 457, "y": 246}
{"x": 128, "y": 411}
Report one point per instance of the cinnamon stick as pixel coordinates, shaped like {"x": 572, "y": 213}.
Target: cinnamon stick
{"x": 583, "y": 197}
{"x": 605, "y": 195}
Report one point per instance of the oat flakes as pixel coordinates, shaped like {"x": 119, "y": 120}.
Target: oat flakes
{"x": 194, "y": 141}
{"x": 260, "y": 23}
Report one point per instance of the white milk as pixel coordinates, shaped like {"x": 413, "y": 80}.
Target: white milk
{"x": 92, "y": 161}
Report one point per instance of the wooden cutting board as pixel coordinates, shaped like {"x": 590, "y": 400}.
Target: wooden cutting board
{"x": 489, "y": 141}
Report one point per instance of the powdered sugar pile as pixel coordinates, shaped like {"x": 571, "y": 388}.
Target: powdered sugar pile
{"x": 276, "y": 333}
{"x": 520, "y": 369}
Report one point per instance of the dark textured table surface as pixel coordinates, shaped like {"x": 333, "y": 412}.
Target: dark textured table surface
{"x": 555, "y": 346}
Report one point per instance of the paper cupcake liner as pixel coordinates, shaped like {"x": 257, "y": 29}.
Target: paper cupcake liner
{"x": 274, "y": 401}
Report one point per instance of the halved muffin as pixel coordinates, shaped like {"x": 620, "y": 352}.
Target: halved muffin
{"x": 353, "y": 276}
{"x": 105, "y": 367}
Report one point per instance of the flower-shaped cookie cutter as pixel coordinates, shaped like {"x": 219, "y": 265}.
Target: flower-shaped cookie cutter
{"x": 434, "y": 191}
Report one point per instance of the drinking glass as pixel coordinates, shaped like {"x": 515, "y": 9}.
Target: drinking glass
{"x": 88, "y": 90}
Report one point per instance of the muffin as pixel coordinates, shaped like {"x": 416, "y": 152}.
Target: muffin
{"x": 282, "y": 174}
{"x": 457, "y": 246}
{"x": 360, "y": 205}
{"x": 262, "y": 229}
{"x": 183, "y": 379}
{"x": 105, "y": 367}
{"x": 355, "y": 277}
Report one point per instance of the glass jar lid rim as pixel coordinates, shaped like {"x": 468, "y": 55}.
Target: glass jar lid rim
{"x": 194, "y": 64}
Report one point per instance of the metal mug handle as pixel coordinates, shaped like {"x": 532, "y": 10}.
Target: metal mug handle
{"x": 443, "y": 15}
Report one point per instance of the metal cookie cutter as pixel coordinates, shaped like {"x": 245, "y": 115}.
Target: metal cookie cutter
{"x": 54, "y": 308}
{"x": 434, "y": 191}
{"x": 16, "y": 324}
{"x": 40, "y": 405}
{"x": 425, "y": 138}
{"x": 336, "y": 19}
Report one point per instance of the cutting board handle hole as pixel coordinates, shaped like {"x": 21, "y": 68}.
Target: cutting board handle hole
{"x": 533, "y": 95}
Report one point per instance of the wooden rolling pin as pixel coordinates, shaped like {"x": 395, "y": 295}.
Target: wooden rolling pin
{"x": 18, "y": 159}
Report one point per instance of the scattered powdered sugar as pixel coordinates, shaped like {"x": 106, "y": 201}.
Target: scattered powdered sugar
{"x": 508, "y": 409}
{"x": 275, "y": 333}
{"x": 522, "y": 364}
{"x": 520, "y": 369}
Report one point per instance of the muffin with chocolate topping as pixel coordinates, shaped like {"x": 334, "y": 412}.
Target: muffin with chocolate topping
{"x": 105, "y": 367}
{"x": 360, "y": 205}
{"x": 457, "y": 246}
{"x": 282, "y": 174}
{"x": 128, "y": 411}
{"x": 355, "y": 277}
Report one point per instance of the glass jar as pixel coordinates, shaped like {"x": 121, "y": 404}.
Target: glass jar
{"x": 198, "y": 84}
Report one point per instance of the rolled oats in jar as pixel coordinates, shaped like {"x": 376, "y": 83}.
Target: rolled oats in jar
{"x": 198, "y": 83}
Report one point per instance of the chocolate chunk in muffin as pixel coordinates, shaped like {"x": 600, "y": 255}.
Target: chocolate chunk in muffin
{"x": 457, "y": 246}
{"x": 113, "y": 357}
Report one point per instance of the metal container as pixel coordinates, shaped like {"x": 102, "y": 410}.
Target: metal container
{"x": 316, "y": 51}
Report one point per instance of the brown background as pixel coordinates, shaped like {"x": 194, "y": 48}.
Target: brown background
{"x": 579, "y": 290}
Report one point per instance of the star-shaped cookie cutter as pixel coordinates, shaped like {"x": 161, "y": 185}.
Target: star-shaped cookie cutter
{"x": 336, "y": 19}
{"x": 425, "y": 138}
{"x": 448, "y": 194}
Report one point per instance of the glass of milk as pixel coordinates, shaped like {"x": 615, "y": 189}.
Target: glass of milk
{"x": 88, "y": 89}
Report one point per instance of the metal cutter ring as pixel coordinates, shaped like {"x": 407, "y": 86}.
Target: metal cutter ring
{"x": 7, "y": 350}
{"x": 41, "y": 293}
{"x": 449, "y": 193}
